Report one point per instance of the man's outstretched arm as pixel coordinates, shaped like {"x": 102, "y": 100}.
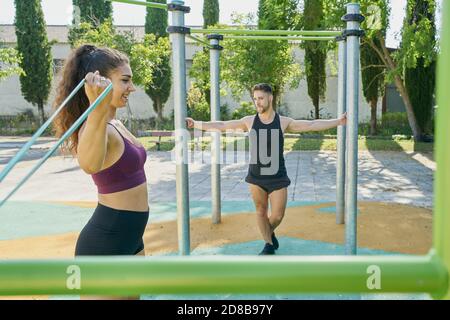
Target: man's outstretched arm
{"x": 217, "y": 125}
{"x": 296, "y": 126}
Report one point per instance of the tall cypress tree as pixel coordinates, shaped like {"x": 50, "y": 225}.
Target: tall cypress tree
{"x": 32, "y": 44}
{"x": 91, "y": 12}
{"x": 94, "y": 12}
{"x": 315, "y": 54}
{"x": 275, "y": 15}
{"x": 211, "y": 12}
{"x": 420, "y": 80}
{"x": 159, "y": 90}
{"x": 262, "y": 14}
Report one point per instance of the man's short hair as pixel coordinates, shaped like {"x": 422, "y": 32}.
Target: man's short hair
{"x": 262, "y": 87}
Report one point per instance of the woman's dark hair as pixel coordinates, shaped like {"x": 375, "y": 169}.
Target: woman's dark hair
{"x": 84, "y": 59}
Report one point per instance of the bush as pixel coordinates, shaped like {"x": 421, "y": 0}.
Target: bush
{"x": 246, "y": 109}
{"x": 24, "y": 123}
{"x": 392, "y": 123}
{"x": 199, "y": 109}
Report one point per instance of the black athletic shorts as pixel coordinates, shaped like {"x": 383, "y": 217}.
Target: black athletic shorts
{"x": 269, "y": 185}
{"x": 112, "y": 232}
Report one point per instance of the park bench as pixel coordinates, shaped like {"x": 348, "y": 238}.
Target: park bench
{"x": 158, "y": 134}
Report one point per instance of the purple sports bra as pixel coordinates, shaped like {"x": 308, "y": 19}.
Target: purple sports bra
{"x": 126, "y": 173}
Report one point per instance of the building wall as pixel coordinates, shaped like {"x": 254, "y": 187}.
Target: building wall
{"x": 297, "y": 101}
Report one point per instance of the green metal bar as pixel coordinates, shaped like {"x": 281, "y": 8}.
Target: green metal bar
{"x": 222, "y": 274}
{"x": 203, "y": 42}
{"x": 441, "y": 218}
{"x": 299, "y": 38}
{"x": 251, "y": 32}
{"x": 143, "y": 3}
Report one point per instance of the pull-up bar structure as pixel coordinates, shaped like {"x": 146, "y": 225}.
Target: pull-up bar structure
{"x": 149, "y": 4}
{"x": 179, "y": 275}
{"x": 291, "y": 38}
{"x": 257, "y": 32}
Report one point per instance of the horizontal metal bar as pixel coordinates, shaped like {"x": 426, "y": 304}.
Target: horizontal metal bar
{"x": 223, "y": 274}
{"x": 268, "y": 32}
{"x": 205, "y": 43}
{"x": 143, "y": 3}
{"x": 291, "y": 38}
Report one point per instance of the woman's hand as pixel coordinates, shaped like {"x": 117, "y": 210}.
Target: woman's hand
{"x": 95, "y": 84}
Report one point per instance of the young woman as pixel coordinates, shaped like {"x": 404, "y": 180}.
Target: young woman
{"x": 106, "y": 150}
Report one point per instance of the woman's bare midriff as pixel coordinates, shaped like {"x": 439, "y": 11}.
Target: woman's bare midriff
{"x": 134, "y": 199}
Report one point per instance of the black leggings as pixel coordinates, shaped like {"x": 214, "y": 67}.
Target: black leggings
{"x": 112, "y": 232}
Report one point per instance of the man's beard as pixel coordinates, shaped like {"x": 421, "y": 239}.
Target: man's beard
{"x": 263, "y": 109}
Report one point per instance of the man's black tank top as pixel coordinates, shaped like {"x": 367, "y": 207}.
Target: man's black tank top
{"x": 262, "y": 164}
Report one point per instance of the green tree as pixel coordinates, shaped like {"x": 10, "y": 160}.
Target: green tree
{"x": 315, "y": 54}
{"x": 246, "y": 63}
{"x": 159, "y": 89}
{"x": 372, "y": 73}
{"x": 278, "y": 14}
{"x": 9, "y": 63}
{"x": 420, "y": 74}
{"x": 144, "y": 55}
{"x": 95, "y": 12}
{"x": 211, "y": 13}
{"x": 421, "y": 44}
{"x": 33, "y": 46}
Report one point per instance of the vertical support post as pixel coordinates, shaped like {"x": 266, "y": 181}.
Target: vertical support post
{"x": 341, "y": 133}
{"x": 177, "y": 36}
{"x": 352, "y": 33}
{"x": 441, "y": 220}
{"x": 215, "y": 116}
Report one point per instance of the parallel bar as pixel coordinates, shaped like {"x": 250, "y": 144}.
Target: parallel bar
{"x": 66, "y": 135}
{"x": 143, "y": 3}
{"x": 441, "y": 219}
{"x": 214, "y": 59}
{"x": 225, "y": 274}
{"x": 268, "y": 32}
{"x": 352, "y": 133}
{"x": 181, "y": 134}
{"x": 341, "y": 134}
{"x": 201, "y": 41}
{"x": 21, "y": 153}
{"x": 299, "y": 38}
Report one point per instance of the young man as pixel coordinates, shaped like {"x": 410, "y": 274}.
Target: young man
{"x": 267, "y": 176}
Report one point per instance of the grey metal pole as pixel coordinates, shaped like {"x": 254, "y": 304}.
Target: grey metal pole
{"x": 214, "y": 51}
{"x": 177, "y": 37}
{"x": 341, "y": 134}
{"x": 353, "y": 32}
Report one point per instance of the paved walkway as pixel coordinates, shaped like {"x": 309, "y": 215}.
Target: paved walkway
{"x": 382, "y": 176}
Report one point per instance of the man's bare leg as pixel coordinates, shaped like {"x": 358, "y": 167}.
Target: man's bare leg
{"x": 261, "y": 200}
{"x": 278, "y": 201}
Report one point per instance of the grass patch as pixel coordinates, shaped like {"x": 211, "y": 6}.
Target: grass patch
{"x": 296, "y": 144}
